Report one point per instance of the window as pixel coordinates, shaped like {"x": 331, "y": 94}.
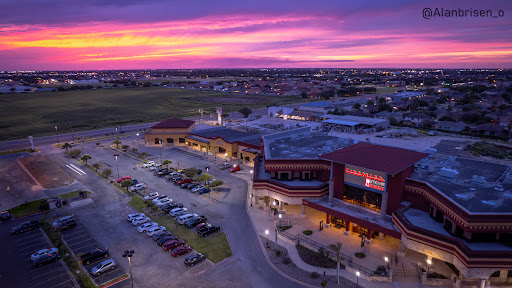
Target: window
{"x": 170, "y": 140}
{"x": 362, "y": 197}
{"x": 181, "y": 140}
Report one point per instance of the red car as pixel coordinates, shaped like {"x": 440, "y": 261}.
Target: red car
{"x": 169, "y": 245}
{"x": 124, "y": 178}
{"x": 181, "y": 250}
{"x": 237, "y": 168}
{"x": 198, "y": 227}
{"x": 185, "y": 181}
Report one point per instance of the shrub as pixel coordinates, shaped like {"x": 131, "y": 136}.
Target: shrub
{"x": 278, "y": 253}
{"x": 44, "y": 205}
{"x": 314, "y": 275}
{"x": 307, "y": 232}
{"x": 107, "y": 172}
{"x": 360, "y": 255}
{"x": 287, "y": 260}
{"x": 75, "y": 152}
{"x": 216, "y": 183}
{"x": 97, "y": 143}
{"x": 324, "y": 283}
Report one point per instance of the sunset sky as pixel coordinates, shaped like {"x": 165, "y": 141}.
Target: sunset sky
{"x": 158, "y": 34}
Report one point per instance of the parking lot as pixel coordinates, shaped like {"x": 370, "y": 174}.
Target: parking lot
{"x": 16, "y": 261}
{"x": 79, "y": 240}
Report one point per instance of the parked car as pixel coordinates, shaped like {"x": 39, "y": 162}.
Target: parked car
{"x": 93, "y": 255}
{"x": 123, "y": 178}
{"x": 5, "y": 215}
{"x": 200, "y": 226}
{"x": 66, "y": 225}
{"x": 209, "y": 182}
{"x": 25, "y": 226}
{"x": 234, "y": 169}
{"x": 195, "y": 221}
{"x": 185, "y": 185}
{"x": 56, "y": 223}
{"x": 161, "y": 235}
{"x": 209, "y": 230}
{"x": 178, "y": 214}
{"x": 162, "y": 240}
{"x": 185, "y": 181}
{"x": 183, "y": 218}
{"x": 203, "y": 191}
{"x": 154, "y": 230}
{"x": 42, "y": 252}
{"x": 137, "y": 187}
{"x": 132, "y": 216}
{"x": 175, "y": 205}
{"x": 197, "y": 188}
{"x": 194, "y": 259}
{"x": 163, "y": 172}
{"x": 159, "y": 198}
{"x": 155, "y": 167}
{"x": 45, "y": 259}
{"x": 148, "y": 164}
{"x": 173, "y": 174}
{"x": 151, "y": 196}
{"x": 103, "y": 266}
{"x": 140, "y": 220}
{"x": 192, "y": 186}
{"x": 176, "y": 210}
{"x": 163, "y": 201}
{"x": 224, "y": 166}
{"x": 181, "y": 250}
{"x": 169, "y": 245}
{"x": 144, "y": 227}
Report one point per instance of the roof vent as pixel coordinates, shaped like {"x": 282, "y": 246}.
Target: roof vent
{"x": 448, "y": 173}
{"x": 430, "y": 150}
{"x": 479, "y": 180}
{"x": 508, "y": 178}
{"x": 452, "y": 159}
{"x": 507, "y": 195}
{"x": 490, "y": 203}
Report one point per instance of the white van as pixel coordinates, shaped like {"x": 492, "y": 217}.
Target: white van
{"x": 182, "y": 219}
{"x": 176, "y": 211}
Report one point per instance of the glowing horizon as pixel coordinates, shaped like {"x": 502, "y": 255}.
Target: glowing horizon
{"x": 331, "y": 36}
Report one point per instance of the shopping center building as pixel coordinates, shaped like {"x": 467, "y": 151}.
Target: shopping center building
{"x": 452, "y": 209}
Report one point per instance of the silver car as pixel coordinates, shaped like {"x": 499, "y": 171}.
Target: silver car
{"x": 103, "y": 266}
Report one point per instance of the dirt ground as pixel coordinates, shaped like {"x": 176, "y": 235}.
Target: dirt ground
{"x": 47, "y": 173}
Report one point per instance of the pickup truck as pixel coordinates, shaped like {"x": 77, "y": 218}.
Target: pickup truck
{"x": 93, "y": 255}
{"x": 25, "y": 226}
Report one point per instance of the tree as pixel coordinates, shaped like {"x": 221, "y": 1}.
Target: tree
{"x": 117, "y": 142}
{"x": 97, "y": 144}
{"x": 127, "y": 183}
{"x": 205, "y": 177}
{"x": 86, "y": 158}
{"x": 357, "y": 106}
{"x": 191, "y": 172}
{"x": 370, "y": 102}
{"x": 245, "y": 111}
{"x": 107, "y": 172}
{"x": 44, "y": 205}
{"x": 143, "y": 155}
{"x": 134, "y": 150}
{"x": 67, "y": 146}
{"x": 75, "y": 152}
{"x": 166, "y": 163}
{"x": 337, "y": 247}
{"x": 216, "y": 183}
{"x": 96, "y": 166}
{"x": 125, "y": 147}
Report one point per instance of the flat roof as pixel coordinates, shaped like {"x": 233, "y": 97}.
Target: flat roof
{"x": 350, "y": 118}
{"x": 386, "y": 159}
{"x": 341, "y": 122}
{"x": 301, "y": 144}
{"x": 229, "y": 135}
{"x": 489, "y": 196}
{"x": 174, "y": 123}
{"x": 317, "y": 104}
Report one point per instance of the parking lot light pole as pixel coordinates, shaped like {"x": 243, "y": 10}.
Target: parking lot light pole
{"x": 357, "y": 275}
{"x": 117, "y": 164}
{"x": 57, "y": 131}
{"x": 266, "y": 232}
{"x": 129, "y": 254}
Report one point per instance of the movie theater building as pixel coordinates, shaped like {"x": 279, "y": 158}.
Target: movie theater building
{"x": 171, "y": 132}
{"x": 376, "y": 191}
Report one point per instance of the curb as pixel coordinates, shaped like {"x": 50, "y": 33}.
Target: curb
{"x": 37, "y": 213}
{"x": 266, "y": 255}
{"x": 120, "y": 280}
{"x": 29, "y": 174}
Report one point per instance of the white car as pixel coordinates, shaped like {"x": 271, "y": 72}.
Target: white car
{"x": 151, "y": 196}
{"x": 196, "y": 189}
{"x": 159, "y": 198}
{"x": 137, "y": 187}
{"x": 175, "y": 211}
{"x": 182, "y": 219}
{"x": 154, "y": 230}
{"x": 144, "y": 227}
{"x": 140, "y": 220}
{"x": 132, "y": 216}
{"x": 174, "y": 174}
{"x": 154, "y": 167}
{"x": 42, "y": 252}
{"x": 163, "y": 202}
{"x": 148, "y": 164}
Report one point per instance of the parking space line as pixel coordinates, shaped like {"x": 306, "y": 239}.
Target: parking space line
{"x": 53, "y": 278}
{"x": 57, "y": 285}
{"x": 23, "y": 243}
{"x": 68, "y": 235}
{"x": 81, "y": 248}
{"x": 106, "y": 274}
{"x": 77, "y": 229}
{"x": 80, "y": 243}
{"x": 78, "y": 237}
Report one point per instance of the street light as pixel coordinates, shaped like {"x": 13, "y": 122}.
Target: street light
{"x": 274, "y": 203}
{"x": 129, "y": 254}
{"x": 266, "y": 232}
{"x": 357, "y": 274}
{"x": 57, "y": 131}
{"x": 386, "y": 259}
{"x": 429, "y": 262}
{"x": 117, "y": 164}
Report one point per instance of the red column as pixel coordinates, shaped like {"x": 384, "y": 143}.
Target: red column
{"x": 328, "y": 219}
{"x": 369, "y": 234}
{"x": 348, "y": 224}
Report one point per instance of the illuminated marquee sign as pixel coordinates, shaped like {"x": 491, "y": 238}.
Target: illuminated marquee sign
{"x": 365, "y": 178}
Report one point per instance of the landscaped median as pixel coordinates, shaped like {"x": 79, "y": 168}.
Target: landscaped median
{"x": 216, "y": 247}
{"x": 39, "y": 205}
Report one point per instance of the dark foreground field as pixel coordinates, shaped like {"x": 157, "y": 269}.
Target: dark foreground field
{"x": 37, "y": 113}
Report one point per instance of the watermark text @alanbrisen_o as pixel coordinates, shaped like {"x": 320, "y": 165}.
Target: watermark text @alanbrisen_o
{"x": 461, "y": 13}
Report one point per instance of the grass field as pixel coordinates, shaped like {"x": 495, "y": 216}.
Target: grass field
{"x": 72, "y": 194}
{"x": 25, "y": 210}
{"x": 37, "y": 113}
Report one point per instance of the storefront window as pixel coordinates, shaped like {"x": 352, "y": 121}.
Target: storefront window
{"x": 362, "y": 197}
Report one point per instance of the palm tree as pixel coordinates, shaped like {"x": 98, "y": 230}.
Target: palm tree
{"x": 86, "y": 157}
{"x": 66, "y": 146}
{"x": 166, "y": 163}
{"x": 143, "y": 155}
{"x": 96, "y": 166}
{"x": 337, "y": 247}
{"x": 117, "y": 142}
